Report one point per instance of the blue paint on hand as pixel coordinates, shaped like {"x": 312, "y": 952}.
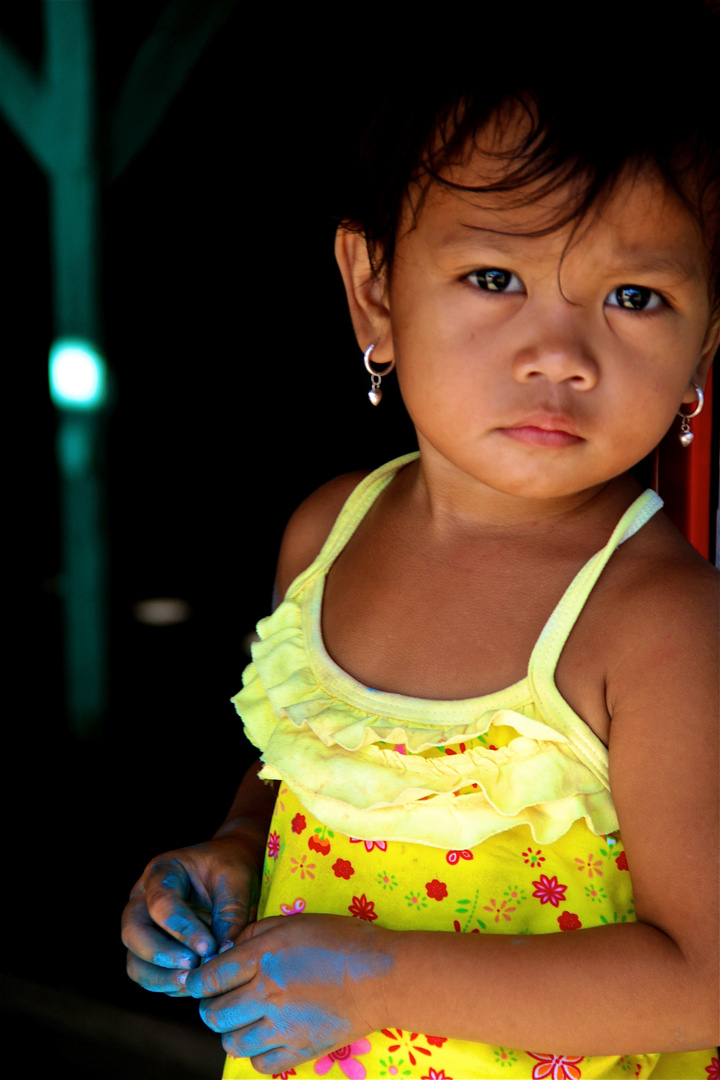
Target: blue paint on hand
{"x": 332, "y": 968}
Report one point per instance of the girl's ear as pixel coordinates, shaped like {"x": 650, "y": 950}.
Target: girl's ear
{"x": 366, "y": 295}
{"x": 709, "y": 349}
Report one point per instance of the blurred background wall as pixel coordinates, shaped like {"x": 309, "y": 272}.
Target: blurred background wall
{"x": 237, "y": 388}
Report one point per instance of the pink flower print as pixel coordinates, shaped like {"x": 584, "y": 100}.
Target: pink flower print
{"x": 407, "y": 1040}
{"x": 533, "y": 858}
{"x": 568, "y": 921}
{"x": 298, "y": 823}
{"x": 621, "y": 861}
{"x": 381, "y": 845}
{"x": 548, "y": 891}
{"x": 503, "y": 910}
{"x": 556, "y": 1067}
{"x": 436, "y": 889}
{"x": 362, "y": 908}
{"x": 273, "y": 845}
{"x": 343, "y": 868}
{"x": 346, "y": 1057}
{"x": 592, "y": 866}
{"x": 303, "y": 866}
{"x": 454, "y": 856}
{"x": 400, "y": 748}
{"x": 713, "y": 1069}
{"x": 432, "y": 1075}
{"x": 436, "y": 1040}
{"x": 293, "y": 909}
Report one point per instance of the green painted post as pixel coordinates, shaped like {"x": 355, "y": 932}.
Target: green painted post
{"x": 54, "y": 115}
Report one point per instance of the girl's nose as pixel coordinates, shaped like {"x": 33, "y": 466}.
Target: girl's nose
{"x": 558, "y": 357}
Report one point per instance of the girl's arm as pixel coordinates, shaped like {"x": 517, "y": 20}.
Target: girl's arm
{"x": 312, "y": 983}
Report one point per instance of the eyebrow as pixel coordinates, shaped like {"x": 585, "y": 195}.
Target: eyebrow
{"x": 627, "y": 259}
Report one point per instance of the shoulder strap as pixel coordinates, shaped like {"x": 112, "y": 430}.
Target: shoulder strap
{"x": 353, "y": 511}
{"x": 557, "y": 629}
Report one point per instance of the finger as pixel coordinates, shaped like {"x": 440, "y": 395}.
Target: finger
{"x": 158, "y": 980}
{"x": 169, "y": 895}
{"x": 148, "y": 942}
{"x": 233, "y": 1011}
{"x": 261, "y": 1043}
{"x": 223, "y": 973}
{"x": 230, "y": 911}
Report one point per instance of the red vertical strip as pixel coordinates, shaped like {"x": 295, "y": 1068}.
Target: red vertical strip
{"x": 684, "y": 476}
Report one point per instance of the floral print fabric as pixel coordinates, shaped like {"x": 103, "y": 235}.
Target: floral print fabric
{"x": 507, "y": 885}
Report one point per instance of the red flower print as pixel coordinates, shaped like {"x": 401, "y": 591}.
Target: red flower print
{"x": 436, "y": 889}
{"x": 462, "y": 746}
{"x": 298, "y": 823}
{"x": 568, "y": 921}
{"x": 436, "y": 1040}
{"x": 621, "y": 861}
{"x": 381, "y": 845}
{"x": 534, "y": 858}
{"x": 316, "y": 844}
{"x": 556, "y": 1067}
{"x": 713, "y": 1069}
{"x": 548, "y": 891}
{"x": 362, "y": 908}
{"x": 432, "y": 1075}
{"x": 283, "y": 1076}
{"x": 408, "y": 1041}
{"x": 343, "y": 868}
{"x": 453, "y": 856}
{"x": 458, "y": 929}
{"x": 273, "y": 845}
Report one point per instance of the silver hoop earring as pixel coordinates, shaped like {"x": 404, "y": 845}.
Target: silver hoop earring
{"x": 375, "y": 393}
{"x": 686, "y": 436}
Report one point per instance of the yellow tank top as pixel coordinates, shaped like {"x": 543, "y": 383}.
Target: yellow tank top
{"x": 489, "y": 815}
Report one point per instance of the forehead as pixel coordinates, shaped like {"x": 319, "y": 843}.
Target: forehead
{"x": 640, "y": 222}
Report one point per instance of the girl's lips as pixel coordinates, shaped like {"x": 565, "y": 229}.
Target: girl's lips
{"x": 532, "y": 435}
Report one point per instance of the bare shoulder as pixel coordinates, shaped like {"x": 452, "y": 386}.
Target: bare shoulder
{"x": 667, "y": 600}
{"x": 309, "y": 527}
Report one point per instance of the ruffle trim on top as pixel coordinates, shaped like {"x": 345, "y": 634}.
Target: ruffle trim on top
{"x": 329, "y": 752}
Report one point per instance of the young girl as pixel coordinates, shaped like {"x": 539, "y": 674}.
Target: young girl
{"x": 486, "y": 701}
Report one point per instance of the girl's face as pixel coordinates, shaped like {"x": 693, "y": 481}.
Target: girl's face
{"x": 538, "y": 374}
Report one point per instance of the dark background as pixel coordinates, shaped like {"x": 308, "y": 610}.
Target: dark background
{"x": 240, "y": 390}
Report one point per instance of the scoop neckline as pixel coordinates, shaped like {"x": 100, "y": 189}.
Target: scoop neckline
{"x": 446, "y": 712}
{"x": 388, "y": 703}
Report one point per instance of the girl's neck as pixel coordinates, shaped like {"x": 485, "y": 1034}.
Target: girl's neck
{"x": 453, "y": 502}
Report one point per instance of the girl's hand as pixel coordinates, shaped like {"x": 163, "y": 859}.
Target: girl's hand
{"x": 295, "y": 988}
{"x": 184, "y": 907}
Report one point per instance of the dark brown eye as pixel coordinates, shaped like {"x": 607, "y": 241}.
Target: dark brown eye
{"x": 635, "y": 298}
{"x": 494, "y": 280}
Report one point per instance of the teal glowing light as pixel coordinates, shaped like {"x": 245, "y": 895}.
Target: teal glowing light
{"x": 78, "y": 374}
